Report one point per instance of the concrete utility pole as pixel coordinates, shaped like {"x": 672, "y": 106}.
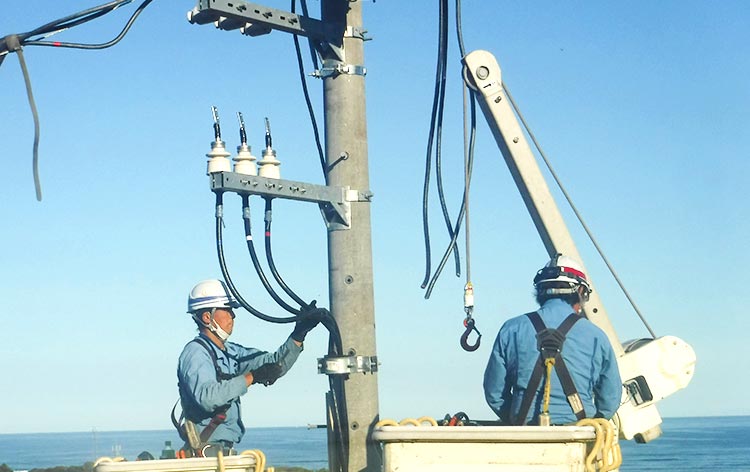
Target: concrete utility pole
{"x": 350, "y": 251}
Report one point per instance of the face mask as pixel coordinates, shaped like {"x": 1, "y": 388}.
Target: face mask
{"x": 216, "y": 329}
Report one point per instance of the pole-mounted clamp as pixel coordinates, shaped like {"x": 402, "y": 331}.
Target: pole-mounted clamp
{"x": 333, "y": 68}
{"x": 344, "y": 365}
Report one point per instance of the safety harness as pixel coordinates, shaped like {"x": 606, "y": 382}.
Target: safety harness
{"x": 185, "y": 427}
{"x": 550, "y": 344}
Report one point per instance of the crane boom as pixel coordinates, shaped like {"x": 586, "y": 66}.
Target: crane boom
{"x": 651, "y": 368}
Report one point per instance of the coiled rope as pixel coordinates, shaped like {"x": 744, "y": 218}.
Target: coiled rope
{"x": 408, "y": 422}
{"x": 606, "y": 454}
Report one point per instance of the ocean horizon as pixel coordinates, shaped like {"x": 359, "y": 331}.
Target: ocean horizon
{"x": 687, "y": 444}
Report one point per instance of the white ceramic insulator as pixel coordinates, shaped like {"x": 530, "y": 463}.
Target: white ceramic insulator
{"x": 269, "y": 165}
{"x": 244, "y": 162}
{"x": 218, "y": 158}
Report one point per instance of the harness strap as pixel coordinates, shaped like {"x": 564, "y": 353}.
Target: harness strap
{"x": 552, "y": 340}
{"x": 219, "y": 415}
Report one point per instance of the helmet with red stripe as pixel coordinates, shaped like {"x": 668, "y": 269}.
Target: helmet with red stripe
{"x": 561, "y": 275}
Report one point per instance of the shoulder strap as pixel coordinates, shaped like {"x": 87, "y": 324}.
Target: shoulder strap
{"x": 569, "y": 388}
{"x": 219, "y": 374}
{"x": 556, "y": 337}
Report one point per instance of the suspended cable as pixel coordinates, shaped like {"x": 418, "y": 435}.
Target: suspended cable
{"x": 452, "y": 244}
{"x": 305, "y": 91}
{"x": 108, "y": 44}
{"x": 576, "y": 212}
{"x": 15, "y": 43}
{"x": 435, "y": 134}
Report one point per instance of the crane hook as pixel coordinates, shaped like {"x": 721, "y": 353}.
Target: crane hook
{"x": 470, "y": 326}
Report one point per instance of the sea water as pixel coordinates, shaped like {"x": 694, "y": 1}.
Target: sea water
{"x": 688, "y": 444}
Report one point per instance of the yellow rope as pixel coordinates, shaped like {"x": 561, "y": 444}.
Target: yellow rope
{"x": 260, "y": 459}
{"x": 550, "y": 363}
{"x": 407, "y": 422}
{"x": 606, "y": 450}
{"x": 220, "y": 460}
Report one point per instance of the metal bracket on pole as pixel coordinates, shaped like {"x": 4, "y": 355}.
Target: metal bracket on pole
{"x": 334, "y": 202}
{"x": 345, "y": 365}
{"x": 254, "y": 20}
{"x": 334, "y": 68}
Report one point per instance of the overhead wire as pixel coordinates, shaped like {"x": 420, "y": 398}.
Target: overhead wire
{"x": 306, "y": 92}
{"x": 15, "y": 43}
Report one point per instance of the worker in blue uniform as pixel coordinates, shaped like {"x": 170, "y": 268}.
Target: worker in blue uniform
{"x": 594, "y": 387}
{"x": 213, "y": 373}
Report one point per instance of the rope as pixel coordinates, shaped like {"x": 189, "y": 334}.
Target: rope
{"x": 408, "y": 422}
{"x": 220, "y": 461}
{"x": 605, "y": 454}
{"x": 550, "y": 364}
{"x": 260, "y": 459}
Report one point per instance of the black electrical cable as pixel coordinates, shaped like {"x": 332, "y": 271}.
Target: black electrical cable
{"x": 269, "y": 256}
{"x": 225, "y": 271}
{"x": 438, "y": 144}
{"x": 77, "y": 18}
{"x": 256, "y": 262}
{"x": 470, "y": 165}
{"x": 306, "y": 92}
{"x": 108, "y": 44}
{"x": 15, "y": 43}
{"x": 436, "y": 129}
{"x": 313, "y": 55}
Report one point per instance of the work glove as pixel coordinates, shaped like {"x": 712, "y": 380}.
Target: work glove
{"x": 267, "y": 374}
{"x": 308, "y": 318}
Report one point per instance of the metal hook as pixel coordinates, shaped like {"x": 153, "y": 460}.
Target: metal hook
{"x": 469, "y": 323}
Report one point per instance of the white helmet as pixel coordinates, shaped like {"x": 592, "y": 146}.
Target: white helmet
{"x": 211, "y": 293}
{"x": 561, "y": 269}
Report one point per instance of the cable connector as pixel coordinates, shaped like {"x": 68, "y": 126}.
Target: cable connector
{"x": 244, "y": 162}
{"x": 218, "y": 157}
{"x": 468, "y": 298}
{"x": 269, "y": 165}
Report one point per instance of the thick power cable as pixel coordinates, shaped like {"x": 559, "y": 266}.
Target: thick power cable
{"x": 268, "y": 217}
{"x": 256, "y": 262}
{"x": 576, "y": 212}
{"x": 469, "y": 166}
{"x": 225, "y": 271}
{"x": 439, "y": 139}
{"x": 306, "y": 93}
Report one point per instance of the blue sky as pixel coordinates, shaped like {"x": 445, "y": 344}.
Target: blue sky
{"x": 642, "y": 107}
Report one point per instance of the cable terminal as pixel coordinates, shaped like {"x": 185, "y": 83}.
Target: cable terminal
{"x": 269, "y": 165}
{"x": 244, "y": 162}
{"x": 218, "y": 157}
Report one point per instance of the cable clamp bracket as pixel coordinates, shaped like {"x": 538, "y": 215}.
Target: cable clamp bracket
{"x": 333, "y": 68}
{"x": 344, "y": 365}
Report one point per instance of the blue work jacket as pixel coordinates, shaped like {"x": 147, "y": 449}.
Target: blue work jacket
{"x": 200, "y": 392}
{"x": 587, "y": 353}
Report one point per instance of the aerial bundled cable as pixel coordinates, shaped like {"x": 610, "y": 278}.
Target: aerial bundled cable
{"x": 35, "y": 37}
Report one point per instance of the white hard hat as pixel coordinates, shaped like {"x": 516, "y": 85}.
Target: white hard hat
{"x": 561, "y": 269}
{"x": 210, "y": 293}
